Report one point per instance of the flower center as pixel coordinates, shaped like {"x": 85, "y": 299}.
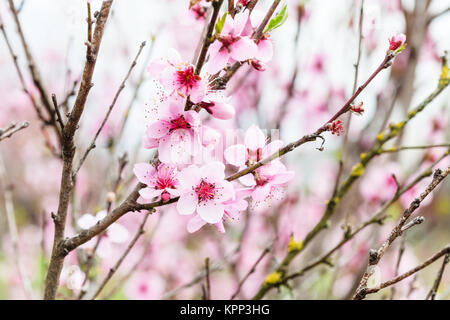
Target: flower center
{"x": 187, "y": 78}
{"x": 179, "y": 123}
{"x": 227, "y": 41}
{"x": 205, "y": 191}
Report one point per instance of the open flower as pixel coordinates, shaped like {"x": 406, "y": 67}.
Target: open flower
{"x": 232, "y": 208}
{"x": 161, "y": 182}
{"x": 267, "y": 180}
{"x": 178, "y": 77}
{"x": 253, "y": 150}
{"x": 230, "y": 43}
{"x": 173, "y": 132}
{"x": 204, "y": 190}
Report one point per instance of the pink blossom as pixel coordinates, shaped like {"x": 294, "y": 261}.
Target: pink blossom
{"x": 265, "y": 46}
{"x": 232, "y": 208}
{"x": 161, "y": 181}
{"x": 396, "y": 41}
{"x": 173, "y": 131}
{"x": 231, "y": 44}
{"x": 204, "y": 190}
{"x": 267, "y": 179}
{"x": 178, "y": 77}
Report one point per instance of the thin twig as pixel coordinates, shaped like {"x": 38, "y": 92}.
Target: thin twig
{"x": 116, "y": 96}
{"x": 11, "y": 129}
{"x": 113, "y": 270}
{"x": 432, "y": 294}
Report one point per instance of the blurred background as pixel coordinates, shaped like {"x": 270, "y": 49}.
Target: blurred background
{"x": 308, "y": 80}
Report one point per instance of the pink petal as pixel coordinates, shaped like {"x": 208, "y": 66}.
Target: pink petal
{"x": 265, "y": 50}
{"x": 282, "y": 178}
{"x": 210, "y": 211}
{"x": 271, "y": 148}
{"x": 198, "y": 92}
{"x": 261, "y": 193}
{"x": 144, "y": 171}
{"x": 223, "y": 111}
{"x": 195, "y": 223}
{"x": 176, "y": 148}
{"x": 187, "y": 203}
{"x": 225, "y": 191}
{"x": 213, "y": 171}
{"x": 218, "y": 60}
{"x": 150, "y": 193}
{"x": 240, "y": 20}
{"x": 236, "y": 155}
{"x": 189, "y": 177}
{"x": 157, "y": 130}
{"x": 243, "y": 49}
{"x": 220, "y": 226}
{"x": 254, "y": 138}
{"x": 150, "y": 143}
{"x": 155, "y": 68}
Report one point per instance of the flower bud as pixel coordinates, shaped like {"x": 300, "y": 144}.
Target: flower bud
{"x": 396, "y": 41}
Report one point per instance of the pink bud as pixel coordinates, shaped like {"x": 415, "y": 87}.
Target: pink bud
{"x": 258, "y": 65}
{"x": 165, "y": 196}
{"x": 358, "y": 109}
{"x": 396, "y": 41}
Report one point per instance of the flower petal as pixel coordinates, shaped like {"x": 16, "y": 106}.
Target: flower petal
{"x": 254, "y": 138}
{"x": 187, "y": 203}
{"x": 144, "y": 171}
{"x": 195, "y": 223}
{"x": 243, "y": 49}
{"x": 210, "y": 211}
{"x": 236, "y": 155}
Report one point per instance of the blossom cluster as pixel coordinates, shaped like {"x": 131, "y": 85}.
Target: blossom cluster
{"x": 177, "y": 130}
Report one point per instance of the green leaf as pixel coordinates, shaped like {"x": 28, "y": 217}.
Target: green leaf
{"x": 220, "y": 23}
{"x": 278, "y": 20}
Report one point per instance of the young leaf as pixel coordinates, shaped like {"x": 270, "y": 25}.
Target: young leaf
{"x": 220, "y": 23}
{"x": 278, "y": 20}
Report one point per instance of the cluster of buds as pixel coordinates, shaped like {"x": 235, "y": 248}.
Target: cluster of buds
{"x": 336, "y": 127}
{"x": 357, "y": 109}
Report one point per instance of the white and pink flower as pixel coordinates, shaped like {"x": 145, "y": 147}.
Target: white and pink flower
{"x": 161, "y": 181}
{"x": 204, "y": 190}
{"x": 178, "y": 77}
{"x": 173, "y": 132}
{"x": 266, "y": 181}
{"x": 231, "y": 44}
{"x": 232, "y": 208}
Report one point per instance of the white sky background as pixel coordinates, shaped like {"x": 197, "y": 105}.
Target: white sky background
{"x": 54, "y": 25}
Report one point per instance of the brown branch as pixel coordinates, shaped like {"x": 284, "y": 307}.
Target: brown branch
{"x": 376, "y": 255}
{"x": 432, "y": 294}
{"x": 207, "y": 40}
{"x": 207, "y": 291}
{"x": 11, "y": 129}
{"x": 445, "y": 251}
{"x": 68, "y": 150}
